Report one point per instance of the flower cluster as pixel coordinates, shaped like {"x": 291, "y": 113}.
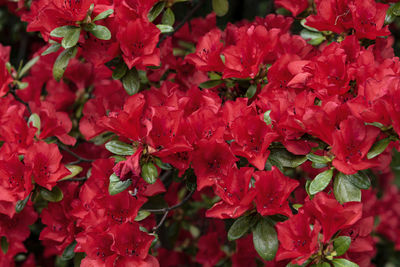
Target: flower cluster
{"x": 129, "y": 139}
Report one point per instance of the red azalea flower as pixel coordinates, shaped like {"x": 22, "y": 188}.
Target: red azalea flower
{"x": 5, "y": 76}
{"x": 294, "y": 6}
{"x": 138, "y": 40}
{"x": 298, "y": 241}
{"x": 45, "y": 161}
{"x": 273, "y": 190}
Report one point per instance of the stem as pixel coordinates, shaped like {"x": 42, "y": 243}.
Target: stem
{"x": 184, "y": 20}
{"x": 164, "y": 217}
{"x": 167, "y": 209}
{"x": 66, "y": 149}
{"x": 16, "y": 97}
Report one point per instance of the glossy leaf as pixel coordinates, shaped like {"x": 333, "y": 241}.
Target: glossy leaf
{"x": 61, "y": 63}
{"x": 131, "y": 82}
{"x": 240, "y": 227}
{"x": 321, "y": 181}
{"x": 103, "y": 15}
{"x": 341, "y": 244}
{"x": 265, "y": 239}
{"x": 120, "y": 148}
{"x": 378, "y": 148}
{"x": 55, "y": 195}
{"x": 343, "y": 263}
{"x": 149, "y": 172}
{"x": 156, "y": 10}
{"x": 344, "y": 190}
{"x": 116, "y": 185}
{"x": 101, "y": 32}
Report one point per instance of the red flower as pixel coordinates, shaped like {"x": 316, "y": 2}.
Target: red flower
{"x": 45, "y": 161}
{"x": 209, "y": 249}
{"x": 138, "y": 40}
{"x": 333, "y": 216}
{"x": 294, "y": 6}
{"x": 351, "y": 143}
{"x": 273, "y": 190}
{"x": 298, "y": 241}
{"x": 211, "y": 161}
{"x": 5, "y": 76}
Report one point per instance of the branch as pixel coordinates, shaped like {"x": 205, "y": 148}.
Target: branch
{"x": 66, "y": 149}
{"x": 16, "y": 97}
{"x": 167, "y": 209}
{"x": 188, "y": 16}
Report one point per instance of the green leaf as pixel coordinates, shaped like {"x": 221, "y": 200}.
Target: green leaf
{"x": 120, "y": 148}
{"x": 55, "y": 195}
{"x": 4, "y": 244}
{"x": 61, "y": 63}
{"x": 378, "y": 148}
{"x": 220, "y": 7}
{"x": 343, "y": 263}
{"x": 341, "y": 244}
{"x": 21, "y": 85}
{"x": 21, "y": 204}
{"x": 320, "y": 181}
{"x": 131, "y": 81}
{"x": 69, "y": 253}
{"x": 344, "y": 190}
{"x": 51, "y": 49}
{"x": 34, "y": 120}
{"x": 360, "y": 180}
{"x": 251, "y": 91}
{"x": 156, "y": 10}
{"x": 265, "y": 239}
{"x": 119, "y": 71}
{"x": 168, "y": 17}
{"x": 313, "y": 38}
{"x": 303, "y": 23}
{"x": 162, "y": 165}
{"x": 28, "y": 66}
{"x": 103, "y": 15}
{"x": 210, "y": 84}
{"x": 149, "y": 172}
{"x": 395, "y": 9}
{"x": 165, "y": 28}
{"x": 101, "y": 32}
{"x": 63, "y": 31}
{"x": 240, "y": 227}
{"x": 282, "y": 158}
{"x": 317, "y": 159}
{"x": 74, "y": 169}
{"x": 267, "y": 117}
{"x": 142, "y": 214}
{"x": 71, "y": 38}
{"x": 116, "y": 185}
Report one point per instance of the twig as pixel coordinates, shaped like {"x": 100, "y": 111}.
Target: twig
{"x": 66, "y": 149}
{"x": 183, "y": 21}
{"x": 164, "y": 217}
{"x": 167, "y": 209}
{"x": 16, "y": 97}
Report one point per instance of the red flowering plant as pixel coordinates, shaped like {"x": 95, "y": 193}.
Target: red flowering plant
{"x": 178, "y": 133}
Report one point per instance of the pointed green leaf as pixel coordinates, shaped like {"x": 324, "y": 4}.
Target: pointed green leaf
{"x": 280, "y": 157}
{"x": 220, "y": 7}
{"x": 4, "y": 244}
{"x": 101, "y": 32}
{"x": 210, "y": 84}
{"x": 156, "y": 10}
{"x": 103, "y": 15}
{"x": 142, "y": 214}
{"x": 251, "y": 91}
{"x": 162, "y": 165}
{"x": 165, "y": 28}
{"x": 69, "y": 253}
{"x": 71, "y": 38}
{"x": 120, "y": 148}
{"x": 119, "y": 71}
{"x": 378, "y": 148}
{"x": 168, "y": 17}
{"x": 240, "y": 227}
{"x": 116, "y": 185}
{"x": 34, "y": 120}
{"x": 63, "y": 31}
{"x": 303, "y": 23}
{"x": 313, "y": 38}
{"x": 267, "y": 118}
{"x": 149, "y": 173}
{"x": 341, "y": 244}
{"x": 28, "y": 66}
{"x": 265, "y": 239}
{"x": 53, "y": 48}
{"x": 61, "y": 63}
{"x": 320, "y": 181}
{"x": 344, "y": 190}
{"x": 360, "y": 180}
{"x": 343, "y": 263}
{"x": 55, "y": 195}
{"x": 21, "y": 204}
{"x": 131, "y": 82}
{"x": 317, "y": 159}
{"x": 74, "y": 169}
